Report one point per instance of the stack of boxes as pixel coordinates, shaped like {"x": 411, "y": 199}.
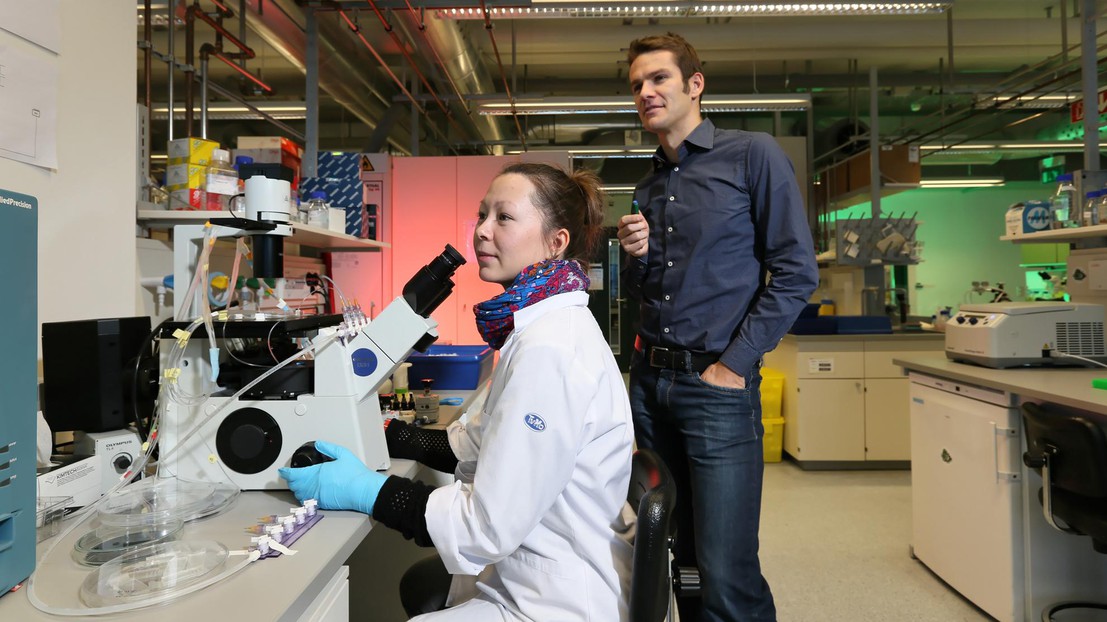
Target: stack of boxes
{"x": 187, "y": 172}
{"x": 273, "y": 150}
{"x": 339, "y": 176}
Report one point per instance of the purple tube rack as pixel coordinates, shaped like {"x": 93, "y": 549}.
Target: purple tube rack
{"x": 291, "y": 538}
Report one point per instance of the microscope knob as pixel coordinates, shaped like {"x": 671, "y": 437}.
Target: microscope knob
{"x": 121, "y": 462}
{"x": 308, "y": 455}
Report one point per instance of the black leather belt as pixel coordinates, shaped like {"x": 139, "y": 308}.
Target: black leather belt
{"x": 681, "y": 360}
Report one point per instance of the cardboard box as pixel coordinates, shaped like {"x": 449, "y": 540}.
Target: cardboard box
{"x": 188, "y": 199}
{"x": 191, "y": 151}
{"x": 184, "y": 176}
{"x": 279, "y": 143}
{"x": 80, "y": 479}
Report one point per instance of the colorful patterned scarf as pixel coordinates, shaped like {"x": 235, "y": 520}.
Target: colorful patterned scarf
{"x": 496, "y": 317}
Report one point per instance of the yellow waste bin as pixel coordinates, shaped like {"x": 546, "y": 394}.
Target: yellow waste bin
{"x": 772, "y": 393}
{"x": 774, "y": 438}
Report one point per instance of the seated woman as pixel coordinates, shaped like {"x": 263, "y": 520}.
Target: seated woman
{"x": 536, "y": 513}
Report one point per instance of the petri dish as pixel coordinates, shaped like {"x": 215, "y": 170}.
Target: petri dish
{"x": 156, "y": 572}
{"x": 105, "y": 543}
{"x": 158, "y": 501}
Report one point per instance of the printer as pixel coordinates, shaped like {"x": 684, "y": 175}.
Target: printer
{"x": 1012, "y": 334}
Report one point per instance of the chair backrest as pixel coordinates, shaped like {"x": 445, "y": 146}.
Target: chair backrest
{"x": 1077, "y": 443}
{"x": 653, "y": 493}
{"x": 1073, "y": 443}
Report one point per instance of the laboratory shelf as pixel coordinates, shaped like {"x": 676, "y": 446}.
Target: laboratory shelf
{"x": 1058, "y": 235}
{"x": 304, "y": 234}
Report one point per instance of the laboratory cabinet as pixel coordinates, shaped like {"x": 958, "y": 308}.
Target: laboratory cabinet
{"x": 845, "y": 404}
{"x": 977, "y": 521}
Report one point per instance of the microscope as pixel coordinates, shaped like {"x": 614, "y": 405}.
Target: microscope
{"x": 331, "y": 396}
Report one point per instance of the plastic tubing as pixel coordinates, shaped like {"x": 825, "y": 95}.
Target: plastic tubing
{"x": 205, "y": 252}
{"x": 174, "y": 357}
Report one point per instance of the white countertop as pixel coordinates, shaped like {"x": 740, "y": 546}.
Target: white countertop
{"x": 1068, "y": 386}
{"x": 278, "y": 588}
{"x": 910, "y": 336}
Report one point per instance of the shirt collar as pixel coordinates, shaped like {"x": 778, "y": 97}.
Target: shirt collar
{"x": 703, "y": 137}
{"x": 529, "y": 314}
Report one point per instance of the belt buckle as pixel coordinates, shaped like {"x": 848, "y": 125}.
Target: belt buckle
{"x": 655, "y": 362}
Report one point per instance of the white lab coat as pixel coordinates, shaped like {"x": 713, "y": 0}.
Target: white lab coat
{"x": 538, "y": 512}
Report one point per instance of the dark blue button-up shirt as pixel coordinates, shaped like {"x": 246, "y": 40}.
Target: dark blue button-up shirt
{"x": 721, "y": 219}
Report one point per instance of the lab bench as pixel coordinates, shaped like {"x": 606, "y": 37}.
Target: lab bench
{"x": 844, "y": 401}
{"x": 314, "y": 584}
{"x": 976, "y": 519}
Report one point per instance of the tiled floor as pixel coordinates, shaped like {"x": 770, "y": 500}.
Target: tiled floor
{"x": 835, "y": 546}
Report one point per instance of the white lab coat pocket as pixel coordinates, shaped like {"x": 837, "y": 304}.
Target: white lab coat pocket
{"x": 544, "y": 589}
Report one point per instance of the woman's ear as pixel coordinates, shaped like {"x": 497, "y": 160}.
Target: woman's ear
{"x": 559, "y": 243}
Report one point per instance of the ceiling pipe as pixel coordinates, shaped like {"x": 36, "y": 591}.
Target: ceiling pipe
{"x": 461, "y": 66}
{"x": 503, "y": 76}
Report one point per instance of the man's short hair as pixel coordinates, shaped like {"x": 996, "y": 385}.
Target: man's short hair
{"x": 683, "y": 53}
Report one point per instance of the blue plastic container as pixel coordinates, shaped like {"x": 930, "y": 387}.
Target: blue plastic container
{"x": 456, "y": 368}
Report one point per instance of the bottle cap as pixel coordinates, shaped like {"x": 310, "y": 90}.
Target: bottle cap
{"x": 221, "y": 154}
{"x": 1064, "y": 177}
{"x": 240, "y": 160}
{"x": 317, "y": 194}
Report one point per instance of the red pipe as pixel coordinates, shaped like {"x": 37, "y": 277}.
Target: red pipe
{"x": 199, "y": 13}
{"x": 384, "y": 65}
{"x": 410, "y": 60}
{"x": 503, "y": 75}
{"x": 236, "y": 67}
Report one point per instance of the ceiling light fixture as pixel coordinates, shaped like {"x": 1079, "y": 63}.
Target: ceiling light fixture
{"x": 520, "y": 9}
{"x": 964, "y": 182}
{"x": 606, "y": 151}
{"x": 228, "y": 111}
{"x": 610, "y": 105}
{"x": 1052, "y": 145}
{"x": 1004, "y": 102}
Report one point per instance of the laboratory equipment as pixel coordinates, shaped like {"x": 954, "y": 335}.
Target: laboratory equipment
{"x": 426, "y": 403}
{"x": 266, "y": 224}
{"x": 115, "y": 452}
{"x": 1064, "y": 202}
{"x": 18, "y": 386}
{"x": 1010, "y": 334}
{"x": 87, "y": 370}
{"x": 318, "y": 211}
{"x": 328, "y": 398}
{"x": 220, "y": 181}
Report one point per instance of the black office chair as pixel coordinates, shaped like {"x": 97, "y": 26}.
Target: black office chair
{"x": 1069, "y": 449}
{"x": 653, "y": 493}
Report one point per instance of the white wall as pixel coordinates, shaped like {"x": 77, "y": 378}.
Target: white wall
{"x": 86, "y": 229}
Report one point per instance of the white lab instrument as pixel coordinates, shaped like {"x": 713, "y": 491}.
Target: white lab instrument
{"x": 1010, "y": 334}
{"x": 244, "y": 441}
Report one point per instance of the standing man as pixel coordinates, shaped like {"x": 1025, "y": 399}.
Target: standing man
{"x": 720, "y": 211}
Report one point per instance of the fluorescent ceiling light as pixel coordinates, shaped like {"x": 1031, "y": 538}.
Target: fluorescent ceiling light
{"x": 613, "y": 105}
{"x": 964, "y": 182}
{"x": 1004, "y": 102}
{"x": 231, "y": 111}
{"x": 1075, "y": 146}
{"x": 521, "y": 9}
{"x": 607, "y": 151}
{"x": 628, "y": 189}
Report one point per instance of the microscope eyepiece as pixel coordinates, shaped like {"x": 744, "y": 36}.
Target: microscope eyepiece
{"x": 431, "y": 285}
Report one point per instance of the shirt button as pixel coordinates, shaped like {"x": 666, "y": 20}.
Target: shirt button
{"x": 666, "y": 330}
{"x": 667, "y": 296}
{"x": 670, "y": 229}
{"x": 670, "y": 264}
{"x": 676, "y": 169}
{"x": 672, "y": 198}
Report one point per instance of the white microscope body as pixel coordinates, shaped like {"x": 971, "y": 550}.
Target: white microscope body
{"x": 246, "y": 441}
{"x": 330, "y": 397}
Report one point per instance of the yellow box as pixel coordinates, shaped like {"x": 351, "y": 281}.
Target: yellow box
{"x": 191, "y": 151}
{"x": 184, "y": 176}
{"x": 773, "y": 443}
{"x": 772, "y": 393}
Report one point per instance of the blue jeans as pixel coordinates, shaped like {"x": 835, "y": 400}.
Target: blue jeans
{"x": 710, "y": 438}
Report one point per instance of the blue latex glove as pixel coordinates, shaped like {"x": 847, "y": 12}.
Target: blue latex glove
{"x": 342, "y": 484}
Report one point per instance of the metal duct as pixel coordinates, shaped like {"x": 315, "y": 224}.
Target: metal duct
{"x": 461, "y": 61}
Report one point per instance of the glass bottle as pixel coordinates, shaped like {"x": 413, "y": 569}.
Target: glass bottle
{"x": 318, "y": 212}
{"x": 1063, "y": 203}
{"x": 221, "y": 181}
